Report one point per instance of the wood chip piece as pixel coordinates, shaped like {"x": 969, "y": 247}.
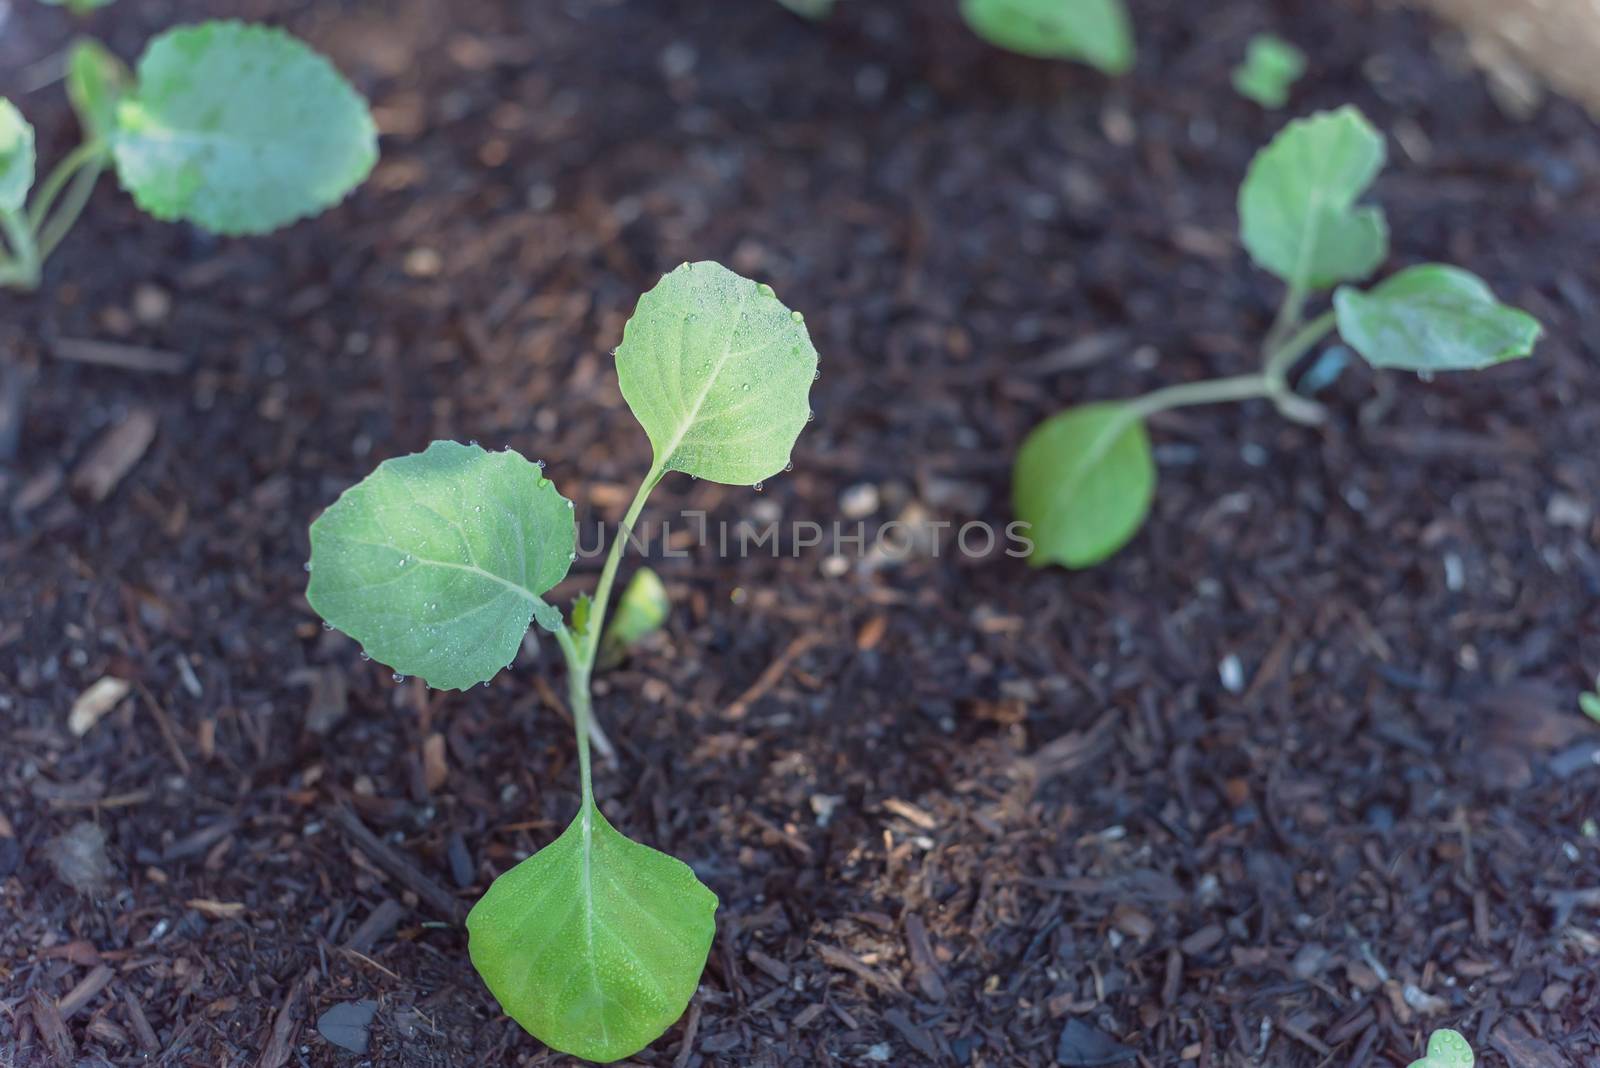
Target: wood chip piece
{"x": 111, "y": 457}
{"x": 105, "y": 694}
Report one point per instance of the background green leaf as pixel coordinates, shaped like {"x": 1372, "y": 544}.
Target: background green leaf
{"x": 437, "y": 561}
{"x": 80, "y": 7}
{"x": 595, "y": 943}
{"x": 1446, "y": 1049}
{"x": 1297, "y": 210}
{"x": 717, "y": 371}
{"x": 16, "y": 157}
{"x": 641, "y": 611}
{"x": 240, "y": 129}
{"x": 1084, "y": 480}
{"x": 1097, "y": 32}
{"x": 1271, "y": 67}
{"x": 1434, "y": 318}
{"x": 96, "y": 83}
{"x": 811, "y": 9}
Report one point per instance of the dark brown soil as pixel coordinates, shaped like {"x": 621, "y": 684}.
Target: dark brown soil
{"x": 974, "y": 811}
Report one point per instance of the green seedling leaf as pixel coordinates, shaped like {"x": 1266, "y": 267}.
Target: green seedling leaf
{"x": 1297, "y": 207}
{"x": 1271, "y": 67}
{"x": 1097, "y": 32}
{"x": 80, "y": 7}
{"x": 16, "y": 157}
{"x": 595, "y": 943}
{"x": 1434, "y": 318}
{"x": 96, "y": 83}
{"x": 582, "y": 609}
{"x": 240, "y": 129}
{"x": 641, "y": 611}
{"x": 1590, "y": 703}
{"x": 1446, "y": 1049}
{"x": 437, "y": 561}
{"x": 811, "y": 9}
{"x": 1084, "y": 480}
{"x": 717, "y": 371}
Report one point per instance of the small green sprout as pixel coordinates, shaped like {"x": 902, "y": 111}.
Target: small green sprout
{"x": 236, "y": 128}
{"x": 1097, "y": 32}
{"x": 1446, "y": 1049}
{"x": 641, "y": 611}
{"x": 437, "y": 562}
{"x": 1271, "y": 67}
{"x": 1084, "y": 478}
{"x": 1589, "y": 701}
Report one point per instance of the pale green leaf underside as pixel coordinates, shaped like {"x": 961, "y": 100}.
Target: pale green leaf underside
{"x": 1097, "y": 32}
{"x": 240, "y": 129}
{"x": 1447, "y": 1049}
{"x": 594, "y": 944}
{"x": 1434, "y": 318}
{"x": 1271, "y": 67}
{"x": 16, "y": 157}
{"x": 1297, "y": 207}
{"x": 436, "y": 562}
{"x": 96, "y": 83}
{"x": 717, "y": 371}
{"x": 1084, "y": 480}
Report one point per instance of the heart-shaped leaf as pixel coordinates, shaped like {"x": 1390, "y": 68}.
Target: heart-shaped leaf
{"x": 1297, "y": 210}
{"x": 240, "y": 129}
{"x": 1446, "y": 1049}
{"x": 717, "y": 371}
{"x": 1097, "y": 32}
{"x": 595, "y": 943}
{"x": 1434, "y": 318}
{"x": 437, "y": 561}
{"x": 96, "y": 83}
{"x": 16, "y": 157}
{"x": 1084, "y": 480}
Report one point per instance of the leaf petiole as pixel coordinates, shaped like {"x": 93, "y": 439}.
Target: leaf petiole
{"x": 72, "y": 204}
{"x": 21, "y": 268}
{"x": 50, "y": 188}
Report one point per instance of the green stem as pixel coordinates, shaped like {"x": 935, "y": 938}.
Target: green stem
{"x": 580, "y": 651}
{"x": 1282, "y": 357}
{"x": 1210, "y": 391}
{"x": 22, "y": 269}
{"x": 78, "y": 193}
{"x": 51, "y": 187}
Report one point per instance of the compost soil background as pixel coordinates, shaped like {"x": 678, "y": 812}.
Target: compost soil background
{"x": 957, "y": 812}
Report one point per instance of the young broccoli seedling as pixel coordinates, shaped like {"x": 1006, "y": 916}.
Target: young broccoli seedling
{"x": 1271, "y": 67}
{"x": 437, "y": 562}
{"x": 1446, "y": 1049}
{"x": 236, "y": 128}
{"x": 1084, "y": 478}
{"x": 1097, "y": 32}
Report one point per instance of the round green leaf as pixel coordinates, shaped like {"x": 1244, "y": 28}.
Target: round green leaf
{"x": 1084, "y": 480}
{"x": 1097, "y": 32}
{"x": 437, "y": 561}
{"x": 1434, "y": 318}
{"x": 595, "y": 943}
{"x": 1297, "y": 210}
{"x": 1446, "y": 1049}
{"x": 717, "y": 371}
{"x": 16, "y": 157}
{"x": 240, "y": 129}
{"x": 96, "y": 83}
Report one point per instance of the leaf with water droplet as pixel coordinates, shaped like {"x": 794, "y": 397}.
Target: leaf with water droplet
{"x": 428, "y": 584}
{"x": 1446, "y": 1049}
{"x": 1083, "y": 482}
{"x": 595, "y": 943}
{"x": 240, "y": 129}
{"x": 1434, "y": 318}
{"x": 1297, "y": 206}
{"x": 1097, "y": 32}
{"x": 695, "y": 339}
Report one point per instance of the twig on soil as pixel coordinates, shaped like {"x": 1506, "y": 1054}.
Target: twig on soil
{"x": 771, "y": 676}
{"x": 398, "y": 865}
{"x": 284, "y": 1027}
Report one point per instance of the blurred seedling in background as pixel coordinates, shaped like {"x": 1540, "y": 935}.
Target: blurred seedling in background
{"x": 1446, "y": 1049}
{"x": 1084, "y": 479}
{"x": 236, "y": 128}
{"x": 1589, "y": 701}
{"x": 437, "y": 562}
{"x": 1271, "y": 67}
{"x": 1096, "y": 32}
